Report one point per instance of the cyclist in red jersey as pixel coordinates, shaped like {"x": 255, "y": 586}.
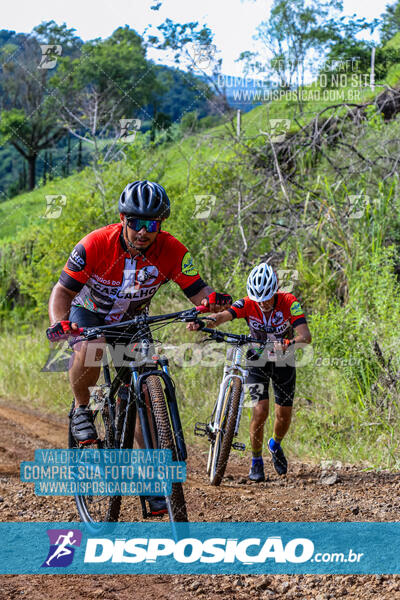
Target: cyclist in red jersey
{"x": 112, "y": 274}
{"x": 277, "y": 318}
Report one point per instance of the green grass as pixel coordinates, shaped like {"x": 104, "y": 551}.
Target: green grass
{"x": 19, "y": 214}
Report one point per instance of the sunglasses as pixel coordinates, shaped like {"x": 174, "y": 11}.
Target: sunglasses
{"x": 151, "y": 226}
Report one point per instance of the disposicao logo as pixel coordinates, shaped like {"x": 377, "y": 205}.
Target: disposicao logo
{"x": 61, "y": 551}
{"x": 190, "y": 550}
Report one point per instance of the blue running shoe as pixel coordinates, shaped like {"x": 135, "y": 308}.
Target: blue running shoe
{"x": 257, "y": 470}
{"x": 278, "y": 458}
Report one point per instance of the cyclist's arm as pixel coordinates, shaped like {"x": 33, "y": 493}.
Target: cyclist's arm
{"x": 220, "y": 317}
{"x": 203, "y": 293}
{"x": 60, "y": 303}
{"x": 184, "y": 273}
{"x": 302, "y": 334}
{"x": 73, "y": 277}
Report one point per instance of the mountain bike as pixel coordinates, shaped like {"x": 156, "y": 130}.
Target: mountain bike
{"x": 116, "y": 403}
{"x": 224, "y": 422}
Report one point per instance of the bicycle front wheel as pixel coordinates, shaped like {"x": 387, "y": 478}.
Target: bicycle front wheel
{"x": 221, "y": 447}
{"x": 165, "y": 440}
{"x": 98, "y": 509}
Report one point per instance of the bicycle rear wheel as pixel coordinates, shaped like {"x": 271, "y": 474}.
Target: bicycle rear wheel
{"x": 165, "y": 440}
{"x": 220, "y": 449}
{"x": 98, "y": 509}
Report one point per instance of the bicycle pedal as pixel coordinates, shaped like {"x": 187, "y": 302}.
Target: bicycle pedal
{"x": 201, "y": 429}
{"x": 239, "y": 446}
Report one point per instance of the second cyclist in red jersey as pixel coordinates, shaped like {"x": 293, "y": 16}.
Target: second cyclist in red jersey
{"x": 278, "y": 319}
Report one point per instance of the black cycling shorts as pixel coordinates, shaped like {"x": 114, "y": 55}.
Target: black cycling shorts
{"x": 85, "y": 317}
{"x": 283, "y": 383}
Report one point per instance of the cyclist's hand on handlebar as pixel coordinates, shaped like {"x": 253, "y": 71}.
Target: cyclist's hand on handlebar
{"x": 198, "y": 325}
{"x": 212, "y": 321}
{"x": 193, "y": 326}
{"x": 61, "y": 329}
{"x": 282, "y": 346}
{"x": 216, "y": 302}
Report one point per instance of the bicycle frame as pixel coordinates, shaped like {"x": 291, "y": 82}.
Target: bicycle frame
{"x": 135, "y": 376}
{"x": 232, "y": 370}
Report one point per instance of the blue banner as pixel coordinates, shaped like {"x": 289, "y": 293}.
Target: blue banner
{"x": 200, "y": 548}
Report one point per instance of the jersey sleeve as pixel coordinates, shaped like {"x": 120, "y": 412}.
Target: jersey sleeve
{"x": 296, "y": 314}
{"x": 80, "y": 263}
{"x": 240, "y": 308}
{"x": 183, "y": 271}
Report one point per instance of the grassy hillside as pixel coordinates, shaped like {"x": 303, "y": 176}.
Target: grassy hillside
{"x": 294, "y": 198}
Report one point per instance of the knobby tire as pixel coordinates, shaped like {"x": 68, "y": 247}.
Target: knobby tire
{"x": 226, "y": 428}
{"x": 165, "y": 440}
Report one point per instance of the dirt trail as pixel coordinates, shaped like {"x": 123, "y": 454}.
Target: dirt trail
{"x": 301, "y": 496}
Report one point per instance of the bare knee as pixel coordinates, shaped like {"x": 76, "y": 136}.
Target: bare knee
{"x": 283, "y": 415}
{"x": 88, "y": 353}
{"x": 260, "y": 412}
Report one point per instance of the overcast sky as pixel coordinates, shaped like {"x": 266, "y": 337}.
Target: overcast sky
{"x": 233, "y": 22}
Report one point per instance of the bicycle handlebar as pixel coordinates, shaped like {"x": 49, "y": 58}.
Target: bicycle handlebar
{"x": 231, "y": 338}
{"x": 90, "y": 333}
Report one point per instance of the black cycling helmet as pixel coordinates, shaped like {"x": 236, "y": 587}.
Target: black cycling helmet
{"x": 144, "y": 199}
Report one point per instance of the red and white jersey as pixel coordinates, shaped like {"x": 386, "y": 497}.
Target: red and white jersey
{"x": 113, "y": 283}
{"x": 278, "y": 324}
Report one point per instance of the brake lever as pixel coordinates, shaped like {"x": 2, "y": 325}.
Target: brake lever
{"x": 206, "y": 339}
{"x": 91, "y": 333}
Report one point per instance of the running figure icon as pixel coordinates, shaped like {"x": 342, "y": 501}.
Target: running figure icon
{"x": 63, "y": 543}
{"x": 62, "y": 549}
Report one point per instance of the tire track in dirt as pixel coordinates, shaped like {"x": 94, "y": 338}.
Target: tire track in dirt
{"x": 301, "y": 496}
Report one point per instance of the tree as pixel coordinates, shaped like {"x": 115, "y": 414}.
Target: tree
{"x": 29, "y": 121}
{"x": 110, "y": 80}
{"x": 29, "y": 112}
{"x": 347, "y": 48}
{"x": 48, "y": 32}
{"x": 192, "y": 47}
{"x": 161, "y": 122}
{"x": 185, "y": 91}
{"x": 390, "y": 21}
{"x": 295, "y": 32}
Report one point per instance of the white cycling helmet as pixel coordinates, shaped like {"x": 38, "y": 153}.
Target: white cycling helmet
{"x": 262, "y": 283}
